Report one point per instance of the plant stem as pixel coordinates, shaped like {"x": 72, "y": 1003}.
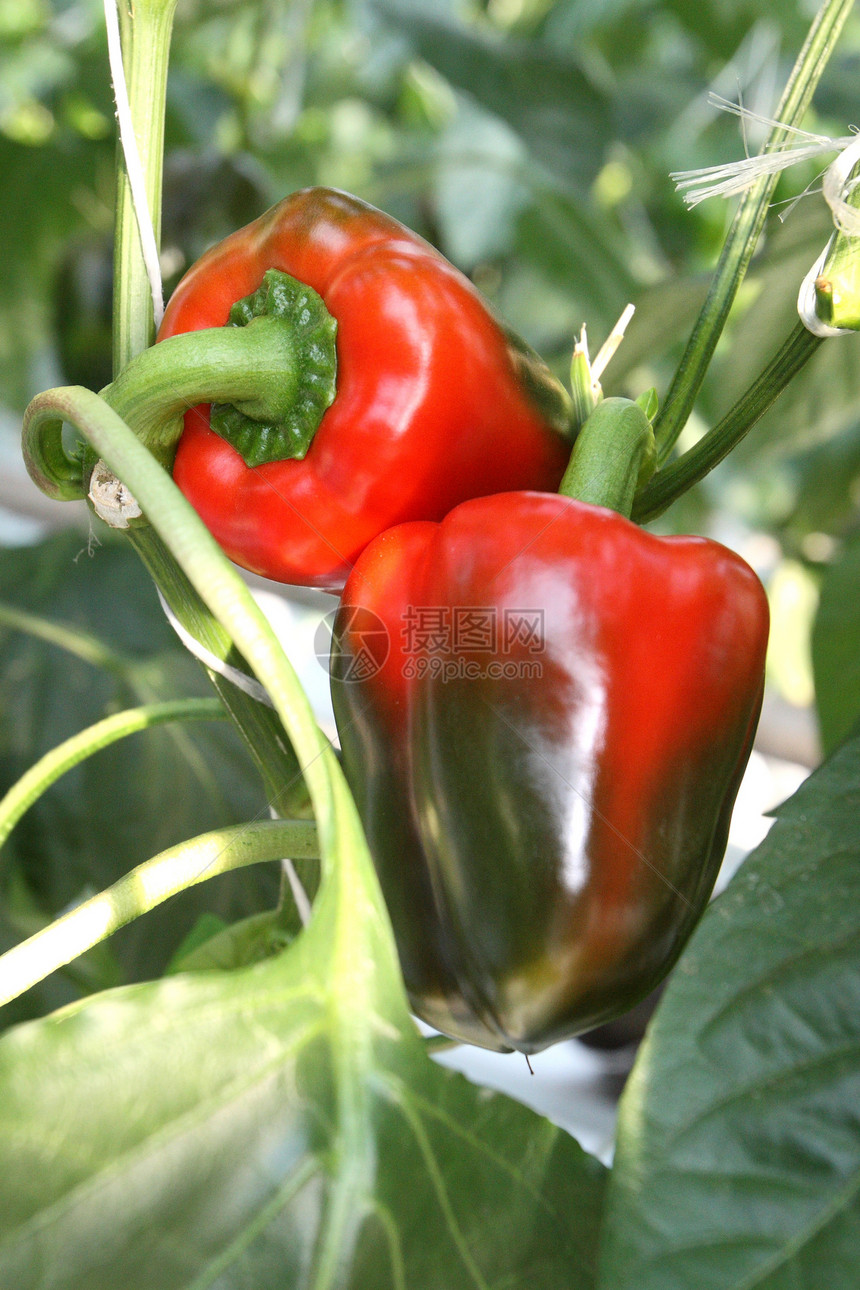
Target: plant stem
{"x": 745, "y": 230}
{"x": 257, "y": 723}
{"x": 355, "y": 897}
{"x": 146, "y": 43}
{"x": 666, "y": 486}
{"x": 148, "y": 885}
{"x": 119, "y": 725}
{"x": 146, "y": 27}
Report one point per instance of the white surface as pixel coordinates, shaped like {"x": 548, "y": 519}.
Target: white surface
{"x": 298, "y": 623}
{"x": 573, "y": 1086}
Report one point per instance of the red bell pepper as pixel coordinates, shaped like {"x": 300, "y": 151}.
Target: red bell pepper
{"x": 435, "y": 402}
{"x": 546, "y": 760}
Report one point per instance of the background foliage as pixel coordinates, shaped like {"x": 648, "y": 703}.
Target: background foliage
{"x": 532, "y": 141}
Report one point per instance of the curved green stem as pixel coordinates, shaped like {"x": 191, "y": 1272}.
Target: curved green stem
{"x": 355, "y": 894}
{"x": 249, "y": 367}
{"x": 745, "y": 230}
{"x": 55, "y": 763}
{"x": 257, "y": 723}
{"x": 668, "y": 484}
{"x": 59, "y": 474}
{"x": 148, "y": 885}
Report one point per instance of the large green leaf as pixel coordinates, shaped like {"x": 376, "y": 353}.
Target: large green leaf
{"x": 836, "y": 646}
{"x": 279, "y": 1126}
{"x": 738, "y": 1161}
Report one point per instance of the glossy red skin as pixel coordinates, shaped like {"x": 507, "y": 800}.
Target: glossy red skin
{"x": 546, "y": 845}
{"x": 429, "y": 409}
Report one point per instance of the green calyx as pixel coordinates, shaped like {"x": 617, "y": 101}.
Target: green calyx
{"x": 614, "y": 456}
{"x": 283, "y": 425}
{"x": 269, "y": 376}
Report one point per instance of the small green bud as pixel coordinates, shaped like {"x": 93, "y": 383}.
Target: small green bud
{"x": 837, "y": 286}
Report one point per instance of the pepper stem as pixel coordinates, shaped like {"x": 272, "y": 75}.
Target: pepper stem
{"x": 304, "y": 391}
{"x": 614, "y": 456}
{"x": 275, "y": 371}
{"x": 674, "y": 480}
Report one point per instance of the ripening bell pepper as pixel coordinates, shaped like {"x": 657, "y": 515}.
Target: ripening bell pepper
{"x": 545, "y": 713}
{"x": 434, "y": 401}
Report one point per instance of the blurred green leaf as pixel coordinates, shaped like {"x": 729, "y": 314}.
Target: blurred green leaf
{"x": 836, "y": 646}
{"x": 738, "y": 1158}
{"x": 579, "y": 253}
{"x": 479, "y": 186}
{"x": 837, "y": 96}
{"x": 544, "y": 95}
{"x": 824, "y": 482}
{"x": 139, "y": 796}
{"x": 54, "y": 87}
{"x": 722, "y": 26}
{"x": 37, "y": 214}
{"x": 570, "y": 21}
